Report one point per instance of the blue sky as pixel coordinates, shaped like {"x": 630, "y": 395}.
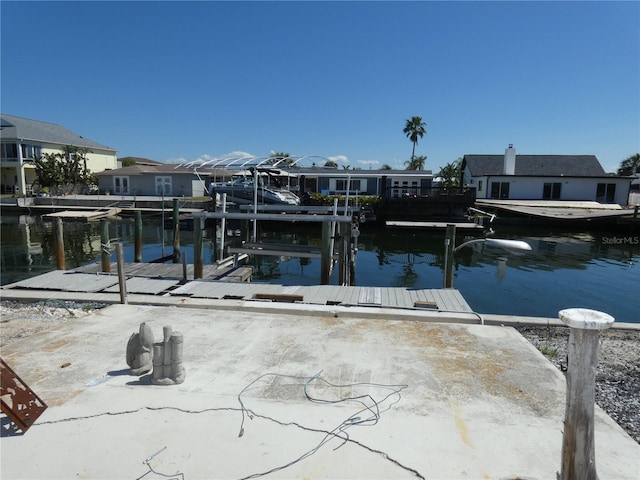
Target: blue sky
{"x": 190, "y": 80}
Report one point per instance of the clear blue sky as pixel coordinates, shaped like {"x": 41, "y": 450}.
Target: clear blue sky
{"x": 178, "y": 80}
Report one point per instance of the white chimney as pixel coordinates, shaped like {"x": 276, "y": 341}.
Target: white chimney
{"x": 509, "y": 167}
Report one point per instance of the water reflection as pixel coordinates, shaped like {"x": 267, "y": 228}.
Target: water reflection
{"x": 592, "y": 269}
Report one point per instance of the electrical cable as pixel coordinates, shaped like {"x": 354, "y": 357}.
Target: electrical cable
{"x": 340, "y": 431}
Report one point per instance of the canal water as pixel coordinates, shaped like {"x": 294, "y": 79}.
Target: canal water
{"x": 590, "y": 269}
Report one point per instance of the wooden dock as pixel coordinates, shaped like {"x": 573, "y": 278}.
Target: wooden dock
{"x": 429, "y": 225}
{"x": 85, "y": 215}
{"x": 220, "y": 283}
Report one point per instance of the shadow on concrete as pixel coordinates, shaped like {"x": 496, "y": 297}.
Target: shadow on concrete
{"x": 143, "y": 380}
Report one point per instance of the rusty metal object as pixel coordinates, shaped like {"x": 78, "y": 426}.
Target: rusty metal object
{"x": 19, "y": 402}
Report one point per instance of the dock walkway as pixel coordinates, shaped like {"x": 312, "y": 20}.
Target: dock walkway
{"x": 166, "y": 280}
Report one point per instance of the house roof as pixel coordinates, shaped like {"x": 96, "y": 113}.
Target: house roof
{"x": 12, "y": 127}
{"x": 161, "y": 168}
{"x": 140, "y": 160}
{"x": 536, "y": 165}
{"x": 342, "y": 173}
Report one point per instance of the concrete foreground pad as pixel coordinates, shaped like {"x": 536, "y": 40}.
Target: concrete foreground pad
{"x": 313, "y": 396}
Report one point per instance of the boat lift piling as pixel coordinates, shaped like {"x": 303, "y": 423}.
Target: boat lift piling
{"x": 330, "y": 233}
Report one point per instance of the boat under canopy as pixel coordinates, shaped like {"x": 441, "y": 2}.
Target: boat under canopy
{"x": 242, "y": 189}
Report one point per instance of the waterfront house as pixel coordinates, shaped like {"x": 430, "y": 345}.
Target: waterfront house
{"x": 383, "y": 183}
{"x": 159, "y": 179}
{"x": 542, "y": 177}
{"x": 22, "y": 139}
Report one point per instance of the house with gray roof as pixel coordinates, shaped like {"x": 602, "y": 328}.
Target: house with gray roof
{"x": 161, "y": 179}
{"x": 542, "y": 177}
{"x": 22, "y": 139}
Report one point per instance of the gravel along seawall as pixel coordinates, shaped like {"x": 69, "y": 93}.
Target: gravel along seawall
{"x": 617, "y": 376}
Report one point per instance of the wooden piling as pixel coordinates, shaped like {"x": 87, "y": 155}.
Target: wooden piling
{"x": 345, "y": 238}
{"x": 59, "y": 245}
{"x": 138, "y": 236}
{"x": 578, "y": 447}
{"x": 176, "y": 231}
{"x": 326, "y": 253}
{"x": 122, "y": 279}
{"x": 198, "y": 265}
{"x": 105, "y": 246}
{"x": 449, "y": 245}
{"x": 184, "y": 265}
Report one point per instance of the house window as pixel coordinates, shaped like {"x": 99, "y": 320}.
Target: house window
{"x": 479, "y": 185}
{"x": 344, "y": 185}
{"x": 9, "y": 151}
{"x": 606, "y": 193}
{"x": 121, "y": 185}
{"x": 551, "y": 191}
{"x": 163, "y": 186}
{"x": 499, "y": 189}
{"x": 29, "y": 151}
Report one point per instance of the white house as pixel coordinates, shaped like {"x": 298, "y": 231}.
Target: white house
{"x": 22, "y": 139}
{"x": 542, "y": 177}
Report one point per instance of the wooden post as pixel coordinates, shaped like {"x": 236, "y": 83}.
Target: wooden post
{"x": 138, "y": 237}
{"x": 345, "y": 236}
{"x": 184, "y": 265}
{"x": 105, "y": 246}
{"x": 176, "y": 231}
{"x": 578, "y": 449}
{"x": 326, "y": 253}
{"x": 59, "y": 245}
{"x": 122, "y": 279}
{"x": 449, "y": 247}
{"x": 197, "y": 248}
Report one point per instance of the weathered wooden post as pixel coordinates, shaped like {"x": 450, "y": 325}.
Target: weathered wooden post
{"x": 197, "y": 248}
{"x": 449, "y": 247}
{"x": 122, "y": 279}
{"x": 326, "y": 254}
{"x": 176, "y": 231}
{"x": 184, "y": 266}
{"x": 578, "y": 450}
{"x": 345, "y": 237}
{"x": 59, "y": 245}
{"x": 105, "y": 246}
{"x": 138, "y": 237}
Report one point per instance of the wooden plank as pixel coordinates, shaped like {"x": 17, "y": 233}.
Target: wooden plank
{"x": 370, "y": 296}
{"x": 142, "y": 285}
{"x": 404, "y": 299}
{"x": 68, "y": 281}
{"x": 279, "y": 297}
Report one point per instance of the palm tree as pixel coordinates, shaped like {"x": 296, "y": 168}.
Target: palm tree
{"x": 450, "y": 174}
{"x": 415, "y": 128}
{"x": 629, "y": 166}
{"x": 416, "y": 163}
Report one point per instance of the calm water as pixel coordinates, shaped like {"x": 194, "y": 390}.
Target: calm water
{"x": 597, "y": 270}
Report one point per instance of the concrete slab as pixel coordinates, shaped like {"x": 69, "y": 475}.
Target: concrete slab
{"x": 314, "y": 397}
